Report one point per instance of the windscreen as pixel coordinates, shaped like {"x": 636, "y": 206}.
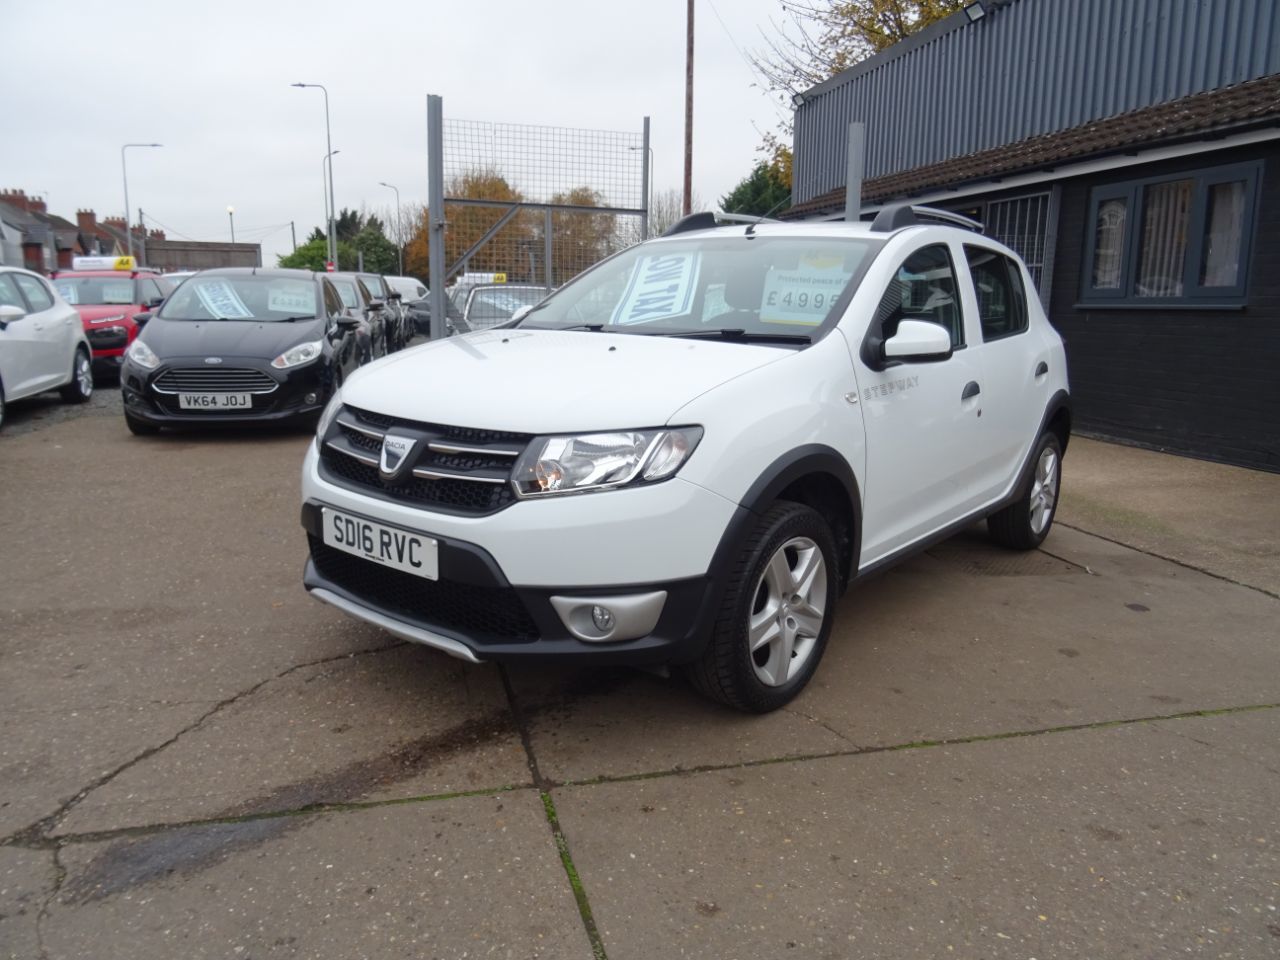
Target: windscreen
{"x": 347, "y": 289}
{"x": 242, "y": 297}
{"x": 753, "y": 284}
{"x": 95, "y": 291}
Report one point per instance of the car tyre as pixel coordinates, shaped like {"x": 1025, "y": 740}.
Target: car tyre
{"x": 1, "y": 405}
{"x": 80, "y": 389}
{"x": 775, "y": 614}
{"x": 140, "y": 428}
{"x": 1025, "y": 523}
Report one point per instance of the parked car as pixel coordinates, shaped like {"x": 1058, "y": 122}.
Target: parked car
{"x": 42, "y": 341}
{"x": 414, "y": 301}
{"x": 480, "y": 306}
{"x": 108, "y": 293}
{"x": 372, "y": 334}
{"x": 240, "y": 345}
{"x": 688, "y": 452}
{"x": 399, "y": 332}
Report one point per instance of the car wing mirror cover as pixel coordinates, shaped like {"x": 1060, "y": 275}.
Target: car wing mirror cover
{"x": 920, "y": 340}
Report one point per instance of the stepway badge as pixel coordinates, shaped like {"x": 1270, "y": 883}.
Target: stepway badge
{"x": 661, "y": 287}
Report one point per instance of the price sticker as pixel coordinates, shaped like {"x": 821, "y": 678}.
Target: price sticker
{"x": 803, "y": 295}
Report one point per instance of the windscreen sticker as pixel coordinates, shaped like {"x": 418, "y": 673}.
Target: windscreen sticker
{"x": 69, "y": 292}
{"x": 292, "y": 298}
{"x": 662, "y": 286}
{"x": 804, "y": 294}
{"x": 220, "y": 299}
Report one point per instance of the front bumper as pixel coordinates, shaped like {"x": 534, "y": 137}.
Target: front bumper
{"x": 475, "y": 613}
{"x": 298, "y": 395}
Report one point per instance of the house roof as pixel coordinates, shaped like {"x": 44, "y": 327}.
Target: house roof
{"x": 1248, "y": 104}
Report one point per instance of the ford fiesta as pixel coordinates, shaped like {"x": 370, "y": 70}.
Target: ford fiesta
{"x": 239, "y": 346}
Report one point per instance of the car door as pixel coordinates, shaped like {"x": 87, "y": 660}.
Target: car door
{"x": 57, "y": 324}
{"x": 922, "y": 419}
{"x": 1015, "y": 364}
{"x": 29, "y": 344}
{"x": 345, "y": 357}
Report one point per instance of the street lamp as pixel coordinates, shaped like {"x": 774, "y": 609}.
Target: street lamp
{"x": 326, "y": 182}
{"x": 231, "y": 215}
{"x": 399, "y": 232}
{"x": 328, "y": 140}
{"x": 124, "y": 170}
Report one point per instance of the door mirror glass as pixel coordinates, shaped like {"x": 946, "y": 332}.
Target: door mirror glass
{"x": 918, "y": 340}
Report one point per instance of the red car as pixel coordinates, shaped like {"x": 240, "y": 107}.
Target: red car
{"x": 108, "y": 292}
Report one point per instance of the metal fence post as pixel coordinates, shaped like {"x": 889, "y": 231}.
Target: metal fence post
{"x": 546, "y": 248}
{"x": 435, "y": 213}
{"x": 853, "y": 172}
{"x": 644, "y": 182}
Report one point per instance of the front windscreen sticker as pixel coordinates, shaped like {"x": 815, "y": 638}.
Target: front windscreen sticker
{"x": 296, "y": 298}
{"x": 803, "y": 294}
{"x": 661, "y": 287}
{"x": 68, "y": 291}
{"x": 220, "y": 299}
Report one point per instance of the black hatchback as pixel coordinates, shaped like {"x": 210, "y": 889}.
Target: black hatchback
{"x": 239, "y": 346}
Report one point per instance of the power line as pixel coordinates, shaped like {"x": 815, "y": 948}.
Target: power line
{"x": 755, "y": 73}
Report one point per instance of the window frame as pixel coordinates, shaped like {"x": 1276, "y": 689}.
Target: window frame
{"x": 1018, "y": 285}
{"x": 32, "y": 307}
{"x": 1134, "y": 193}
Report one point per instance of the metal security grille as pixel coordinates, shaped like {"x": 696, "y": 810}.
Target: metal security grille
{"x": 214, "y": 380}
{"x": 1023, "y": 225}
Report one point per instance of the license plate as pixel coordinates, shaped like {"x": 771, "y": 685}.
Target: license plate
{"x": 215, "y": 401}
{"x": 390, "y": 546}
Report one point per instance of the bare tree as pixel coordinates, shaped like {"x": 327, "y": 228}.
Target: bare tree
{"x": 666, "y": 207}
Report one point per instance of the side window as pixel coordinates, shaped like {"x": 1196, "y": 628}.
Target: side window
{"x": 37, "y": 293}
{"x": 1002, "y": 299}
{"x": 9, "y": 295}
{"x": 923, "y": 289}
{"x": 332, "y": 302}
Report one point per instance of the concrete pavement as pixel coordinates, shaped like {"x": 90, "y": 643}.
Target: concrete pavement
{"x": 1066, "y": 753}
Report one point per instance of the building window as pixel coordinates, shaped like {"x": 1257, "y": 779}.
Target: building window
{"x": 1182, "y": 238}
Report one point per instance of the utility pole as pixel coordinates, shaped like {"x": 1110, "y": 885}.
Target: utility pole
{"x": 142, "y": 240}
{"x": 688, "y": 116}
{"x": 293, "y": 234}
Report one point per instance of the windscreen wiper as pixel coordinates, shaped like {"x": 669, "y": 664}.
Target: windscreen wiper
{"x": 741, "y": 335}
{"x": 593, "y": 327}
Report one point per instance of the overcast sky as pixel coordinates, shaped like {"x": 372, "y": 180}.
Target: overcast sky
{"x": 210, "y": 81}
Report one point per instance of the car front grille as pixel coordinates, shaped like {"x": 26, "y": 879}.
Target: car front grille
{"x": 214, "y": 380}
{"x": 480, "y": 613}
{"x": 458, "y": 469}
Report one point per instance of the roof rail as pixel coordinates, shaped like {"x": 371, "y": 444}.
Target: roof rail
{"x": 710, "y": 218}
{"x": 895, "y": 216}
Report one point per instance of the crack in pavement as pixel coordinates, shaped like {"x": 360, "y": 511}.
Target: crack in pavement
{"x": 59, "y": 876}
{"x": 1174, "y": 560}
{"x": 822, "y": 723}
{"x": 35, "y": 835}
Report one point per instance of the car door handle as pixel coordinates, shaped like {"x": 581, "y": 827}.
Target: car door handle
{"x": 971, "y": 389}
{"x": 1041, "y": 368}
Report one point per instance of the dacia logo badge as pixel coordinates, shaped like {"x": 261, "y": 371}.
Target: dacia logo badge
{"x": 212, "y": 359}
{"x": 395, "y": 455}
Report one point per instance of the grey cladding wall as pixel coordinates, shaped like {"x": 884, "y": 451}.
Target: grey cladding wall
{"x": 1029, "y": 67}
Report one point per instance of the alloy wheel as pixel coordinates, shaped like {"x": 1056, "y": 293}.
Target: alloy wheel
{"x": 788, "y": 611}
{"x": 1044, "y": 490}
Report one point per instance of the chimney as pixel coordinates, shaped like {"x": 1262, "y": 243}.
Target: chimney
{"x": 156, "y": 235}
{"x": 114, "y": 222}
{"x": 16, "y": 198}
{"x": 87, "y": 221}
{"x": 38, "y": 206}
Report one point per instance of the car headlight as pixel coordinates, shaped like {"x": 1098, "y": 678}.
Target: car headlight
{"x": 602, "y": 461}
{"x": 114, "y": 319}
{"x": 326, "y": 418}
{"x": 142, "y": 355}
{"x": 296, "y": 356}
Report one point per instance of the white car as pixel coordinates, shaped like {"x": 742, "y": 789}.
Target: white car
{"x": 42, "y": 341}
{"x": 685, "y": 455}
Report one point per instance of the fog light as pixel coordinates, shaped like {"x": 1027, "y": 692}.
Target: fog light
{"x": 602, "y": 617}
{"x": 310, "y": 398}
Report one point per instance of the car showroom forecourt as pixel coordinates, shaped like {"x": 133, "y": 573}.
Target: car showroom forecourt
{"x": 685, "y": 455}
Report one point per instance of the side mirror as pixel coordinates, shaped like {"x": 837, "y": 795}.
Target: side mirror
{"x": 918, "y": 341}
{"x": 377, "y": 304}
{"x": 141, "y": 318}
{"x": 348, "y": 322}
{"x": 395, "y": 295}
{"x": 8, "y": 314}
{"x": 154, "y": 302}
